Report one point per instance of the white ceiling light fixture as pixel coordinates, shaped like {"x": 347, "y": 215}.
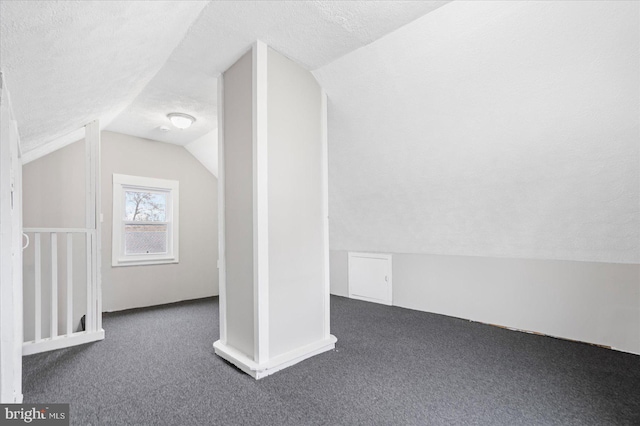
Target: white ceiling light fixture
{"x": 180, "y": 120}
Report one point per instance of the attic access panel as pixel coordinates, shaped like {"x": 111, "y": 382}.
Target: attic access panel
{"x": 370, "y": 277}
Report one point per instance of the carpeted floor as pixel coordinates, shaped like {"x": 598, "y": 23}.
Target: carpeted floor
{"x": 391, "y": 366}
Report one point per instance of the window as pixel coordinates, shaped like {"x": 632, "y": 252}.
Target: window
{"x": 145, "y": 221}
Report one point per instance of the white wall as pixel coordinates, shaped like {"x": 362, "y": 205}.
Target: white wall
{"x": 238, "y": 181}
{"x": 504, "y": 129}
{"x": 205, "y": 150}
{"x": 296, "y": 247}
{"x": 587, "y": 301}
{"x": 497, "y": 130}
{"x": 54, "y": 197}
{"x": 54, "y": 189}
{"x": 10, "y": 253}
{"x": 196, "y": 275}
{"x": 339, "y": 263}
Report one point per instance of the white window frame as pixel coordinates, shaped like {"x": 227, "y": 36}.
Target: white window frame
{"x": 122, "y": 183}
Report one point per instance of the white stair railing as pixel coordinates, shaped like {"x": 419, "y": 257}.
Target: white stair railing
{"x": 69, "y": 337}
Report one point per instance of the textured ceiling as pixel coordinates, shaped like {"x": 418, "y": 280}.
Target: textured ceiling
{"x": 68, "y": 63}
{"x": 502, "y": 129}
{"x": 129, "y": 63}
{"x": 312, "y": 33}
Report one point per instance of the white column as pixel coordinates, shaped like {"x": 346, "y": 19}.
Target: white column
{"x": 221, "y": 222}
{"x": 93, "y": 222}
{"x": 274, "y": 293}
{"x": 260, "y": 204}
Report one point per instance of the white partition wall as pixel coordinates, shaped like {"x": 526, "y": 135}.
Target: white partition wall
{"x": 237, "y": 209}
{"x": 274, "y": 282}
{"x": 10, "y": 253}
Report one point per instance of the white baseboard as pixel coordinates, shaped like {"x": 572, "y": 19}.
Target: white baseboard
{"x": 257, "y": 371}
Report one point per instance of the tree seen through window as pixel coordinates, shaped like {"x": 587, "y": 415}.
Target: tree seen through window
{"x": 145, "y": 206}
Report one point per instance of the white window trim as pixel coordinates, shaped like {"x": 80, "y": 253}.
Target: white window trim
{"x": 118, "y": 257}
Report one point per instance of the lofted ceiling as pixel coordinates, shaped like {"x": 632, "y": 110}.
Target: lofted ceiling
{"x": 499, "y": 129}
{"x": 68, "y": 63}
{"x": 130, "y": 63}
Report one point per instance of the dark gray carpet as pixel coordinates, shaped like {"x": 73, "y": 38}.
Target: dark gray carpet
{"x": 391, "y": 366}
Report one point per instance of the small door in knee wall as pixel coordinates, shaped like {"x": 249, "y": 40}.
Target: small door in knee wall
{"x": 370, "y": 277}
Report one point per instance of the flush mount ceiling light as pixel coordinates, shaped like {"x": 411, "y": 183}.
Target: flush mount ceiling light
{"x": 180, "y": 120}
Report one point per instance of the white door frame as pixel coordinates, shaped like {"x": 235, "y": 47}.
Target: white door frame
{"x": 10, "y": 253}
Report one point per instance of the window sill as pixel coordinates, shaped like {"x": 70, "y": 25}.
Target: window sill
{"x": 141, "y": 262}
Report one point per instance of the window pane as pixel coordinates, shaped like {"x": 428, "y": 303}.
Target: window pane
{"x": 145, "y": 206}
{"x": 151, "y": 239}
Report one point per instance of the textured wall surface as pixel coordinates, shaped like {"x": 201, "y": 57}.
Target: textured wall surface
{"x": 505, "y": 129}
